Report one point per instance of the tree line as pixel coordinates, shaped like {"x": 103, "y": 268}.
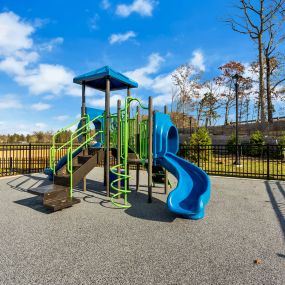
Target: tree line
{"x": 35, "y": 137}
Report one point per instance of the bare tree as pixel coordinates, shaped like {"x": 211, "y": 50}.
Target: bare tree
{"x": 226, "y": 82}
{"x": 186, "y": 79}
{"x": 174, "y": 94}
{"x": 210, "y": 102}
{"x": 274, "y": 59}
{"x": 254, "y": 21}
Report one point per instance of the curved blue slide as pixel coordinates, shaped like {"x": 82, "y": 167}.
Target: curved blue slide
{"x": 192, "y": 193}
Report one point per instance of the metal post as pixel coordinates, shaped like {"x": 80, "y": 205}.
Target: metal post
{"x": 150, "y": 123}
{"x": 190, "y": 127}
{"x": 107, "y": 137}
{"x": 30, "y": 157}
{"x": 83, "y": 113}
{"x": 165, "y": 171}
{"x": 128, "y": 118}
{"x": 83, "y": 106}
{"x": 237, "y": 162}
{"x": 198, "y": 146}
{"x": 137, "y": 149}
{"x": 119, "y": 140}
{"x": 267, "y": 158}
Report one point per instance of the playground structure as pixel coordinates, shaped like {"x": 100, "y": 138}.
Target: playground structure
{"x": 150, "y": 140}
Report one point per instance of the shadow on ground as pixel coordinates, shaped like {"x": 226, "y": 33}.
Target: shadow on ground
{"x": 26, "y": 182}
{"x": 141, "y": 209}
{"x": 276, "y": 193}
{"x": 155, "y": 211}
{"x": 34, "y": 203}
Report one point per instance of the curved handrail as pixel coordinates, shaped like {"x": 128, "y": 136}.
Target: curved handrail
{"x": 85, "y": 129}
{"x": 54, "y": 149}
{"x": 67, "y": 127}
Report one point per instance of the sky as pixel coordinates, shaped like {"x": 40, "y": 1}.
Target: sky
{"x": 45, "y": 44}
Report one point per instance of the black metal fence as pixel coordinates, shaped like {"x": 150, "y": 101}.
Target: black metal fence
{"x": 25, "y": 158}
{"x": 256, "y": 161}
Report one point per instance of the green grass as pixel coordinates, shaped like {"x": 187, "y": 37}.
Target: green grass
{"x": 250, "y": 167}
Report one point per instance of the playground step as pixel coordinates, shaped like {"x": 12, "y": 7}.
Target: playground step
{"x": 56, "y": 205}
{"x": 57, "y": 191}
{"x": 83, "y": 158}
{"x": 75, "y": 167}
{"x": 59, "y": 199}
{"x": 84, "y": 165}
{"x": 62, "y": 179}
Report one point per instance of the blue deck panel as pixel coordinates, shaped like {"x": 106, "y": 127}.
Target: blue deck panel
{"x": 97, "y": 79}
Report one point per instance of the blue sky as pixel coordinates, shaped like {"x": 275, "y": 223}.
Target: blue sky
{"x": 44, "y": 44}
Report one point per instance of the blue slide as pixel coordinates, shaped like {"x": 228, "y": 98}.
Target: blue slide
{"x": 192, "y": 193}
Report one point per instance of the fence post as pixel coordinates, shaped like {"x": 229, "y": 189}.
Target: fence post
{"x": 10, "y": 163}
{"x": 198, "y": 155}
{"x": 267, "y": 158}
{"x": 30, "y": 157}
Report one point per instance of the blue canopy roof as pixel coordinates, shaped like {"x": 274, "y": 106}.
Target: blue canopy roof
{"x": 97, "y": 79}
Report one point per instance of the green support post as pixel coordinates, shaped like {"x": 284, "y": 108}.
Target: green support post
{"x": 119, "y": 141}
{"x": 150, "y": 125}
{"x": 138, "y": 145}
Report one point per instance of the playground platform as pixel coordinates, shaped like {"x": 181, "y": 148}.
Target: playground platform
{"x": 95, "y": 243}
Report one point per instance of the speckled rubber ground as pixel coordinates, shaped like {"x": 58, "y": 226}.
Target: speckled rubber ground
{"x": 93, "y": 243}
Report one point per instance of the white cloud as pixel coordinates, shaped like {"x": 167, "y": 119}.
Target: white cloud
{"x": 41, "y": 126}
{"x": 16, "y": 127}
{"x": 13, "y": 66}
{"x": 161, "y": 84}
{"x": 119, "y": 38}
{"x": 46, "y": 78}
{"x": 16, "y": 44}
{"x": 162, "y": 100}
{"x": 61, "y": 118}
{"x": 105, "y": 4}
{"x": 41, "y": 106}
{"x": 100, "y": 103}
{"x": 142, "y": 7}
{"x": 17, "y": 63}
{"x": 15, "y": 34}
{"x": 19, "y": 56}
{"x": 198, "y": 60}
{"x": 10, "y": 101}
{"x": 142, "y": 75}
{"x": 19, "y": 59}
{"x": 49, "y": 46}
{"x": 94, "y": 22}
